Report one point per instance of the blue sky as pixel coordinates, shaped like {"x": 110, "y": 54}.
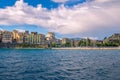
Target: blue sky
{"x": 45, "y": 3}
{"x": 67, "y": 18}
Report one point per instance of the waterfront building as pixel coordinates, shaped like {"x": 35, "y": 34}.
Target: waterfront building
{"x": 76, "y": 43}
{"x": 41, "y": 39}
{"x": 99, "y": 42}
{"x": 65, "y": 40}
{"x": 35, "y": 38}
{"x": 7, "y": 37}
{"x": 51, "y": 40}
{"x": 96, "y": 43}
{"x": 26, "y": 32}
{"x": 50, "y": 36}
{"x": 82, "y": 42}
{"x": 20, "y": 37}
{"x": 26, "y": 37}
{"x": 1, "y": 36}
{"x": 56, "y": 43}
{"x": 1, "y": 32}
{"x": 15, "y": 36}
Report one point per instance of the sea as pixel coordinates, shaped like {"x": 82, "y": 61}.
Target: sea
{"x": 45, "y": 64}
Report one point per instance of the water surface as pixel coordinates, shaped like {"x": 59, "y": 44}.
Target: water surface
{"x": 34, "y": 64}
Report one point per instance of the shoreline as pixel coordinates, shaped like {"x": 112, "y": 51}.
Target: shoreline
{"x": 88, "y": 48}
{"x": 25, "y": 48}
{"x": 71, "y": 48}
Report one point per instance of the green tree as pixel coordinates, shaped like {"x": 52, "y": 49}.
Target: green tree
{"x": 53, "y": 44}
{"x": 67, "y": 44}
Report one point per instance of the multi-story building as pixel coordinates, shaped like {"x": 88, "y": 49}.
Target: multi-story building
{"x": 20, "y": 38}
{"x": 76, "y": 43}
{"x": 1, "y": 36}
{"x": 32, "y": 38}
{"x": 26, "y": 37}
{"x": 50, "y": 39}
{"x": 35, "y": 38}
{"x": 7, "y": 37}
{"x": 41, "y": 39}
{"x": 15, "y": 36}
{"x": 58, "y": 41}
{"x": 50, "y": 36}
{"x": 65, "y": 40}
{"x": 95, "y": 43}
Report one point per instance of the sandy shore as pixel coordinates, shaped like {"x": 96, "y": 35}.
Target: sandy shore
{"x": 87, "y": 48}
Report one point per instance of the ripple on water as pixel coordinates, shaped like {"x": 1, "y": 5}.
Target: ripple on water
{"x": 59, "y": 65}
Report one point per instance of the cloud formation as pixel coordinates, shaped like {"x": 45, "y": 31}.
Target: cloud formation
{"x": 86, "y": 17}
{"x": 60, "y": 1}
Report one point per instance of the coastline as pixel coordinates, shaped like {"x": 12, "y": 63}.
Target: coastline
{"x": 31, "y": 48}
{"x": 71, "y": 48}
{"x": 87, "y": 48}
{"x": 26, "y": 48}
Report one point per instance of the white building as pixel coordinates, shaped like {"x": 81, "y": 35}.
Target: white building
{"x": 50, "y": 36}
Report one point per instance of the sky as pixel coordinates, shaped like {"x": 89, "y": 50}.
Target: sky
{"x": 95, "y": 19}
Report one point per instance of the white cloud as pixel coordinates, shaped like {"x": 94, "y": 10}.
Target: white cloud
{"x": 66, "y": 1}
{"x": 93, "y": 38}
{"x": 103, "y": 0}
{"x": 82, "y": 18}
{"x": 60, "y": 1}
{"x": 1, "y": 29}
{"x": 20, "y": 30}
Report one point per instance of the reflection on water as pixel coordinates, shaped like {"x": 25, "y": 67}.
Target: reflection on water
{"x": 59, "y": 64}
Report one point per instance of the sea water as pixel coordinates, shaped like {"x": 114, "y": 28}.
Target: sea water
{"x": 35, "y": 64}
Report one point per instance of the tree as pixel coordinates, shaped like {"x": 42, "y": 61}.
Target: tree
{"x": 53, "y": 44}
{"x": 67, "y": 44}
